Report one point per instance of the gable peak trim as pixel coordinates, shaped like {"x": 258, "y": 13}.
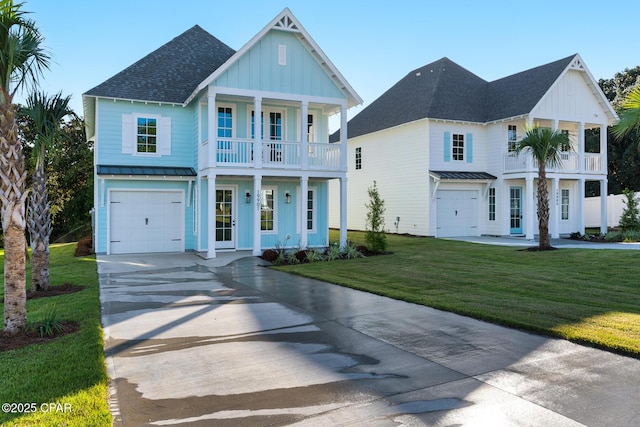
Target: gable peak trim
{"x": 577, "y": 64}
{"x": 286, "y": 23}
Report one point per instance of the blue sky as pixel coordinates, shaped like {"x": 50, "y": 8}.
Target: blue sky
{"x": 374, "y": 44}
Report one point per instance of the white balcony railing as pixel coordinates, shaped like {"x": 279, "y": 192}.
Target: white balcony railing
{"x": 236, "y": 152}
{"x": 569, "y": 163}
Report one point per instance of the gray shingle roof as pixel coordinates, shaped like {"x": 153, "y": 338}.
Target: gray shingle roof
{"x": 445, "y": 90}
{"x": 171, "y": 72}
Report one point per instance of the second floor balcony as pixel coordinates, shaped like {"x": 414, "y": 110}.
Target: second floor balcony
{"x": 570, "y": 162}
{"x": 271, "y": 154}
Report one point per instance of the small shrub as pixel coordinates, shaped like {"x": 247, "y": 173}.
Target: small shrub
{"x": 614, "y": 236}
{"x": 314, "y": 255}
{"x": 352, "y": 252}
{"x": 50, "y": 325}
{"x": 84, "y": 247}
{"x": 301, "y": 256}
{"x": 269, "y": 255}
{"x": 333, "y": 252}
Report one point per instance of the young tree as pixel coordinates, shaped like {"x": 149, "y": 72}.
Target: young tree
{"x": 630, "y": 218}
{"x": 22, "y": 61}
{"x": 544, "y": 144}
{"x": 375, "y": 237}
{"x": 46, "y": 114}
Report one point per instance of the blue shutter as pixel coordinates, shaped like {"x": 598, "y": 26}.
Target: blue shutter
{"x": 447, "y": 146}
{"x": 469, "y": 148}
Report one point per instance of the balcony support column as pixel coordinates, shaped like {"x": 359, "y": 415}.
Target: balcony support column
{"x": 603, "y": 205}
{"x": 211, "y": 215}
{"x": 581, "y": 212}
{"x": 343, "y": 212}
{"x": 530, "y": 208}
{"x": 213, "y": 128}
{"x": 304, "y": 201}
{"x": 343, "y": 138}
{"x": 603, "y": 150}
{"x": 555, "y": 209}
{"x": 257, "y": 210}
{"x": 257, "y": 133}
{"x": 304, "y": 135}
{"x": 581, "y": 148}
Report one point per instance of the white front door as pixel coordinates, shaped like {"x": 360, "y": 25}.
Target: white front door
{"x": 225, "y": 218}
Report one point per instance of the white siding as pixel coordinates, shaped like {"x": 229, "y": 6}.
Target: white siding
{"x": 398, "y": 160}
{"x": 571, "y": 99}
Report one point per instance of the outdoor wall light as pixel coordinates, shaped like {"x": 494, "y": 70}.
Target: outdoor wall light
{"x": 247, "y": 197}
{"x": 287, "y": 197}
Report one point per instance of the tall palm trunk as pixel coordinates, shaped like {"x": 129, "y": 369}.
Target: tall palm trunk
{"x": 39, "y": 226}
{"x": 13, "y": 196}
{"x": 543, "y": 208}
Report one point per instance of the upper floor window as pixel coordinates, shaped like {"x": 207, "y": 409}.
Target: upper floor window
{"x": 458, "y": 146}
{"x": 147, "y": 135}
{"x": 566, "y": 146}
{"x": 512, "y": 138}
{"x": 358, "y": 158}
{"x": 225, "y": 122}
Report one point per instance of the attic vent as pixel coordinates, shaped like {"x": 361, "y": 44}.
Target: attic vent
{"x": 282, "y": 54}
{"x": 577, "y": 64}
{"x": 286, "y": 23}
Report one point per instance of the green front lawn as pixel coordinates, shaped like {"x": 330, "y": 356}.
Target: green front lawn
{"x": 586, "y": 296}
{"x": 68, "y": 372}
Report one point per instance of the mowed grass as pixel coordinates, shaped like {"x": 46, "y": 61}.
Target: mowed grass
{"x": 586, "y": 296}
{"x": 69, "y": 371}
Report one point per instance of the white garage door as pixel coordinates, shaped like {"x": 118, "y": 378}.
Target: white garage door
{"x": 457, "y": 213}
{"x": 146, "y": 221}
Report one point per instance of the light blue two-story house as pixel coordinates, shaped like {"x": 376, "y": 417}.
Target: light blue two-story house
{"x": 182, "y": 162}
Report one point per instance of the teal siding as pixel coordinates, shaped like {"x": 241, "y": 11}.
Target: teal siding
{"x": 110, "y": 184}
{"x": 258, "y": 69}
{"x": 109, "y": 134}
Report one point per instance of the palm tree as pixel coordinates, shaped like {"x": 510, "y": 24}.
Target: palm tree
{"x": 545, "y": 147}
{"x": 46, "y": 115}
{"x": 22, "y": 61}
{"x": 629, "y": 116}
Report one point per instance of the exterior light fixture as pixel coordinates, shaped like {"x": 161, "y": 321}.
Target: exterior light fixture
{"x": 247, "y": 197}
{"x": 287, "y": 197}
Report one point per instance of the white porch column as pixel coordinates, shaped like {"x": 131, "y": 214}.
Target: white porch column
{"x": 257, "y": 133}
{"x": 603, "y": 149}
{"x": 343, "y": 212}
{"x": 343, "y": 141}
{"x": 304, "y": 200}
{"x": 211, "y": 215}
{"x": 257, "y": 203}
{"x": 530, "y": 209}
{"x": 555, "y": 211}
{"x": 304, "y": 135}
{"x": 581, "y": 212}
{"x": 603, "y": 206}
{"x": 213, "y": 129}
{"x": 581, "y": 147}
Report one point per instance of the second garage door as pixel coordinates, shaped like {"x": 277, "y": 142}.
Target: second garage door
{"x": 457, "y": 213}
{"x": 146, "y": 221}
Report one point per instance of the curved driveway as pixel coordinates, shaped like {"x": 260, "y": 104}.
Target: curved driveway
{"x": 204, "y": 343}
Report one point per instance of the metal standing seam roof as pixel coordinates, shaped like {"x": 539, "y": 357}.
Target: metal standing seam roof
{"x": 145, "y": 170}
{"x": 454, "y": 175}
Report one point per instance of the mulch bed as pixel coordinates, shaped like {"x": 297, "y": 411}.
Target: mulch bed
{"x": 25, "y": 338}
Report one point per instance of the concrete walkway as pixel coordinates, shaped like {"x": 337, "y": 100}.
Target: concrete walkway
{"x": 199, "y": 343}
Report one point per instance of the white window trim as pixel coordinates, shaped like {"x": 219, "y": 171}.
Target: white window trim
{"x": 303, "y": 221}
{"x": 464, "y": 148}
{"x": 275, "y": 209}
{"x": 130, "y": 134}
{"x": 233, "y": 117}
{"x": 265, "y": 125}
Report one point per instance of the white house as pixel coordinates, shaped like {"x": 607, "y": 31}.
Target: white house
{"x": 182, "y": 163}
{"x": 440, "y": 145}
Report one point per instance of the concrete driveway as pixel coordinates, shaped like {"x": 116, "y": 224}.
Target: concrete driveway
{"x": 200, "y": 343}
